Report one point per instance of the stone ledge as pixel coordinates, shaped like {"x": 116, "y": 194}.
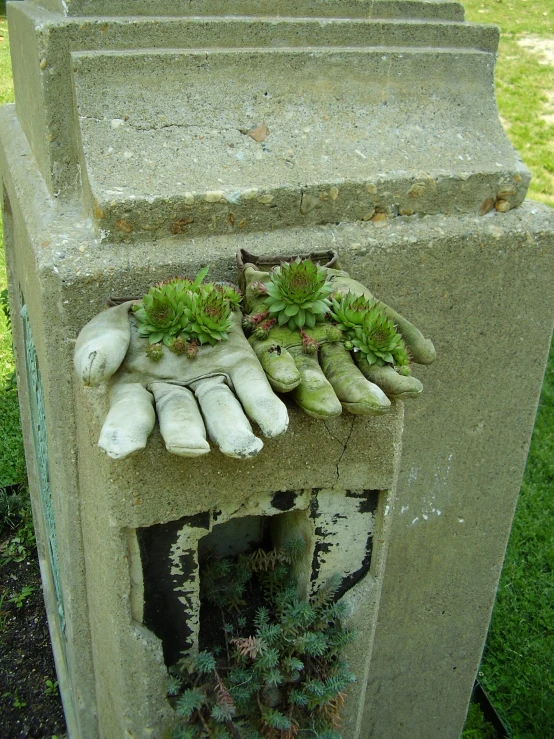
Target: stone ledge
{"x": 446, "y": 9}
{"x": 44, "y": 72}
{"x": 380, "y": 134}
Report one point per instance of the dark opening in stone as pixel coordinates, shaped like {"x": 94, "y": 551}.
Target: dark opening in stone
{"x": 284, "y": 500}
{"x": 164, "y": 612}
{"x": 237, "y": 536}
{"x": 176, "y": 606}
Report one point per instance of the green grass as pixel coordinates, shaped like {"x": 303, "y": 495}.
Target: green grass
{"x": 517, "y": 669}
{"x": 12, "y": 463}
{"x": 518, "y": 665}
{"x": 6, "y": 83}
{"x": 523, "y": 84}
{"x": 477, "y": 727}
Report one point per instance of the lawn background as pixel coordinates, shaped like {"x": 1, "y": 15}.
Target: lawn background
{"x": 518, "y": 664}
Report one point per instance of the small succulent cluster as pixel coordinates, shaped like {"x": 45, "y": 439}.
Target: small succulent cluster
{"x": 258, "y": 325}
{"x": 182, "y": 314}
{"x": 297, "y": 294}
{"x": 367, "y": 329}
{"x": 279, "y": 673}
{"x": 309, "y": 345}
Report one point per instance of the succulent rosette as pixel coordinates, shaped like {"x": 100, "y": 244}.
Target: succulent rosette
{"x": 367, "y": 328}
{"x": 229, "y": 293}
{"x": 297, "y": 294}
{"x": 182, "y": 313}
{"x": 159, "y": 314}
{"x": 209, "y": 314}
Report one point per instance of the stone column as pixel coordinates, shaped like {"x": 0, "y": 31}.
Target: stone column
{"x": 136, "y": 151}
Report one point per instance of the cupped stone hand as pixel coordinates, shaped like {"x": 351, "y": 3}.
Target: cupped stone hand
{"x": 192, "y": 385}
{"x": 323, "y": 337}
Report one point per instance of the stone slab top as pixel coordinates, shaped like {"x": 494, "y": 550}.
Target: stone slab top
{"x": 193, "y": 141}
{"x": 46, "y": 76}
{"x": 444, "y": 9}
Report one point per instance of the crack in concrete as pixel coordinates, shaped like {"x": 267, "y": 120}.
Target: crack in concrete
{"x": 196, "y": 127}
{"x": 343, "y": 443}
{"x": 159, "y": 127}
{"x": 145, "y": 126}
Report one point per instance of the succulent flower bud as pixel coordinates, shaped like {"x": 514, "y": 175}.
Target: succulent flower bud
{"x": 154, "y": 352}
{"x": 179, "y": 346}
{"x": 250, "y": 322}
{"x": 262, "y": 330}
{"x": 260, "y": 333}
{"x": 334, "y": 334}
{"x": 257, "y": 289}
{"x": 192, "y": 349}
{"x": 309, "y": 345}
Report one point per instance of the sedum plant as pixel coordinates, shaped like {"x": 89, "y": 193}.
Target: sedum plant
{"x": 181, "y": 314}
{"x": 297, "y": 294}
{"x": 368, "y": 330}
{"x": 279, "y": 673}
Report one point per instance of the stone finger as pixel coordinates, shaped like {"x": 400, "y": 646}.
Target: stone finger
{"x": 258, "y": 399}
{"x": 227, "y": 425}
{"x": 314, "y": 394}
{"x": 393, "y": 384}
{"x": 278, "y": 364}
{"x": 181, "y": 424}
{"x": 354, "y": 391}
{"x": 129, "y": 422}
{"x": 102, "y": 344}
{"x": 421, "y": 349}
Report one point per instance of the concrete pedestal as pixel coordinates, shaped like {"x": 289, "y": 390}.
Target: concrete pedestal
{"x": 127, "y": 160}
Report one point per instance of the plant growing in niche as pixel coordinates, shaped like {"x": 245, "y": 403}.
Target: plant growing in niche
{"x": 181, "y": 314}
{"x": 278, "y": 673}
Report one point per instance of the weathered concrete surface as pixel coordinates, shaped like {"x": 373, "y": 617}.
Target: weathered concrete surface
{"x": 486, "y": 279}
{"x": 445, "y": 9}
{"x": 479, "y": 285}
{"x": 416, "y": 86}
{"x": 343, "y": 151}
{"x": 113, "y": 675}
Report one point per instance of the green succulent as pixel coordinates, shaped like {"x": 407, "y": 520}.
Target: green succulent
{"x": 209, "y": 315}
{"x": 282, "y": 672}
{"x": 159, "y": 313}
{"x": 297, "y": 294}
{"x": 154, "y": 352}
{"x": 229, "y": 293}
{"x": 350, "y": 310}
{"x": 367, "y": 329}
{"x": 182, "y": 313}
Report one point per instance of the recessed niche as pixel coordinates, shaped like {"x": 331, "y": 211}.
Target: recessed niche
{"x": 336, "y": 527}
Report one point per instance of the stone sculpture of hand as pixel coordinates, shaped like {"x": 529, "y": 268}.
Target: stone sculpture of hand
{"x": 188, "y": 366}
{"x": 323, "y": 337}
